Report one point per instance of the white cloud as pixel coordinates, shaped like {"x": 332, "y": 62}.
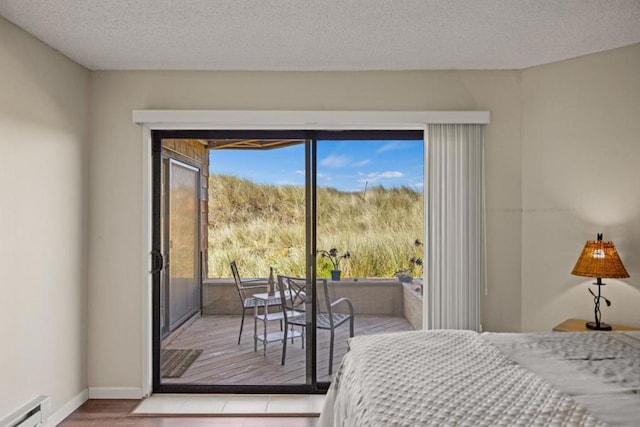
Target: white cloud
{"x": 334, "y": 161}
{"x": 377, "y": 176}
{"x": 391, "y": 174}
{"x": 361, "y": 163}
{"x": 389, "y": 146}
{"x": 300, "y": 172}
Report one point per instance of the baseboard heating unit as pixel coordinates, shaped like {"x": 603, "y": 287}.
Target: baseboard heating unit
{"x": 34, "y": 413}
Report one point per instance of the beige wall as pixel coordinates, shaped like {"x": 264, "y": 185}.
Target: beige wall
{"x": 43, "y": 222}
{"x": 580, "y": 176}
{"x": 116, "y": 159}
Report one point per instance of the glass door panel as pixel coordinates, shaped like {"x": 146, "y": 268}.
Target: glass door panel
{"x": 178, "y": 294}
{"x": 182, "y": 252}
{"x": 370, "y": 212}
{"x": 257, "y": 221}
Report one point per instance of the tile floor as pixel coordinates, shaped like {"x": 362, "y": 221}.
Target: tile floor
{"x": 227, "y": 404}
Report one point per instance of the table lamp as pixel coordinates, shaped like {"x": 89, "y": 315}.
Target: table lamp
{"x": 599, "y": 259}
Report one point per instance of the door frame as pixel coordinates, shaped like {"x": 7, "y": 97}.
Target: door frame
{"x": 266, "y": 120}
{"x": 311, "y": 139}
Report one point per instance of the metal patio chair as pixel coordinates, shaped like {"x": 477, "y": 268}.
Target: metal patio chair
{"x": 295, "y": 315}
{"x": 248, "y": 302}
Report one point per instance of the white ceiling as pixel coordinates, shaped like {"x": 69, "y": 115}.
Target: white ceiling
{"x": 325, "y": 34}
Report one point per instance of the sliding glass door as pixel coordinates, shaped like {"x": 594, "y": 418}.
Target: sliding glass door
{"x": 339, "y": 212}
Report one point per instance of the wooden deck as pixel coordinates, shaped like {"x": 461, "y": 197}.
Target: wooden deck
{"x": 223, "y": 361}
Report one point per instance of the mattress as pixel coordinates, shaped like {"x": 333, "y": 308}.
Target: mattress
{"x": 462, "y": 378}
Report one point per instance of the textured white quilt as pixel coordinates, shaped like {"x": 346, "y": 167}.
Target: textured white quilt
{"x": 599, "y": 370}
{"x": 452, "y": 378}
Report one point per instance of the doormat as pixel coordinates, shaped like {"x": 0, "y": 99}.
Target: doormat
{"x": 174, "y": 363}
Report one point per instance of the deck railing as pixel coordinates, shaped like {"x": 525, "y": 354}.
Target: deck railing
{"x": 377, "y": 296}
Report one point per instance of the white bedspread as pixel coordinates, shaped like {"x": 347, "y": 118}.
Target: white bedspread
{"x": 445, "y": 377}
{"x": 599, "y": 370}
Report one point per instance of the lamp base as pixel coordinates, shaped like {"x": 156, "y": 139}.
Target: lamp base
{"x": 602, "y": 327}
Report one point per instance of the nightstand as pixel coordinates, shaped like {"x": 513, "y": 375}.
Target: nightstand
{"x": 577, "y": 325}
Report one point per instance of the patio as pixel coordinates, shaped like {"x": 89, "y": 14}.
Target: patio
{"x": 223, "y": 361}
{"x": 370, "y": 296}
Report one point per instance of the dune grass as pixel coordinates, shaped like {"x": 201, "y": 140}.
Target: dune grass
{"x": 261, "y": 225}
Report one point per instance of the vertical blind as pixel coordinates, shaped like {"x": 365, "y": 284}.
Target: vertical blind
{"x": 456, "y": 226}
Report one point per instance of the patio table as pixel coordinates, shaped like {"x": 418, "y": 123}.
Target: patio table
{"x": 265, "y": 318}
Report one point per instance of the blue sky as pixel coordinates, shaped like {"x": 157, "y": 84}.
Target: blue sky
{"x": 344, "y": 165}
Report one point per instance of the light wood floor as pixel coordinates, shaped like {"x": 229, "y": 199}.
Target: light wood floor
{"x": 116, "y": 413}
{"x": 223, "y": 361}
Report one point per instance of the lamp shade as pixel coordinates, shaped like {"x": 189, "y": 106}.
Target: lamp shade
{"x": 599, "y": 258}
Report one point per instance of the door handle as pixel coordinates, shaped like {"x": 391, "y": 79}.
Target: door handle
{"x": 156, "y": 261}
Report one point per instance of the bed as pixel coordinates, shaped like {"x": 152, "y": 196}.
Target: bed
{"x": 463, "y": 378}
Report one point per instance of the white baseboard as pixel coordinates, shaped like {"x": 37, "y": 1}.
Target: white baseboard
{"x": 115, "y": 393}
{"x": 67, "y": 409}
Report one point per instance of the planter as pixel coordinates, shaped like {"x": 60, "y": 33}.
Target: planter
{"x": 413, "y": 304}
{"x": 335, "y": 275}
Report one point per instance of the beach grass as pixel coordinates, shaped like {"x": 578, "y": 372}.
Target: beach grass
{"x": 263, "y": 225}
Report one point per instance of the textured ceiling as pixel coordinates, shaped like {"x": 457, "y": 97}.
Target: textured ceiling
{"x": 325, "y": 34}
